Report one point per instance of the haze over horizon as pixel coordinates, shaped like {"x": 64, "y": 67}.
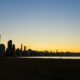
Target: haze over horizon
{"x": 41, "y": 24}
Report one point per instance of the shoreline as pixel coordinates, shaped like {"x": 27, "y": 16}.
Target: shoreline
{"x": 45, "y": 57}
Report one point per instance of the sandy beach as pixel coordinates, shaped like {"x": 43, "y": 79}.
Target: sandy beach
{"x": 39, "y": 69}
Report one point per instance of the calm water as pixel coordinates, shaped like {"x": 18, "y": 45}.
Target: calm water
{"x": 53, "y": 57}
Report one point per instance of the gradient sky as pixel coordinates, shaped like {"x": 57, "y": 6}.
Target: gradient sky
{"x": 41, "y": 24}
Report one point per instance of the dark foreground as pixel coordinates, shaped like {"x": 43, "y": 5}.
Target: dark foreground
{"x": 39, "y": 69}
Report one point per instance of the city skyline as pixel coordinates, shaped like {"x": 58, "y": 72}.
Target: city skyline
{"x": 11, "y": 50}
{"x": 41, "y": 24}
{"x": 26, "y": 47}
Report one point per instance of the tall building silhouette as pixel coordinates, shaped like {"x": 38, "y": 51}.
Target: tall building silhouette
{"x": 2, "y": 49}
{"x": 9, "y": 51}
{"x": 24, "y": 48}
{"x": 10, "y": 44}
{"x": 21, "y": 47}
{"x": 13, "y": 49}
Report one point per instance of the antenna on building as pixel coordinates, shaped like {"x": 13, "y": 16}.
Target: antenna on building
{"x": 0, "y": 38}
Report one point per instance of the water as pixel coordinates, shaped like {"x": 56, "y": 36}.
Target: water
{"x": 52, "y": 57}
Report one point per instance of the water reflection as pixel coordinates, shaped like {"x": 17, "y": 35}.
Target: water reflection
{"x": 53, "y": 57}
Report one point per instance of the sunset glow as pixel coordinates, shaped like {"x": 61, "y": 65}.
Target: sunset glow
{"x": 41, "y": 24}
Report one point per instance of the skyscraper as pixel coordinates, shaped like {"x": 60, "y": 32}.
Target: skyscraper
{"x": 2, "y": 49}
{"x": 9, "y": 51}
{"x": 10, "y": 44}
{"x": 24, "y": 48}
{"x": 13, "y": 49}
{"x": 21, "y": 47}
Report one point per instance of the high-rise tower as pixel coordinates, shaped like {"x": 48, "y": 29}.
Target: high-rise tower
{"x": 10, "y": 44}
{"x": 21, "y": 47}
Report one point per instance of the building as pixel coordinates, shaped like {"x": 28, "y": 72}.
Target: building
{"x": 2, "y": 49}
{"x": 13, "y": 49}
{"x": 9, "y": 51}
{"x": 24, "y": 48}
{"x": 10, "y": 44}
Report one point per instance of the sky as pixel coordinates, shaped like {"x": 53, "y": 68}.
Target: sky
{"x": 41, "y": 24}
